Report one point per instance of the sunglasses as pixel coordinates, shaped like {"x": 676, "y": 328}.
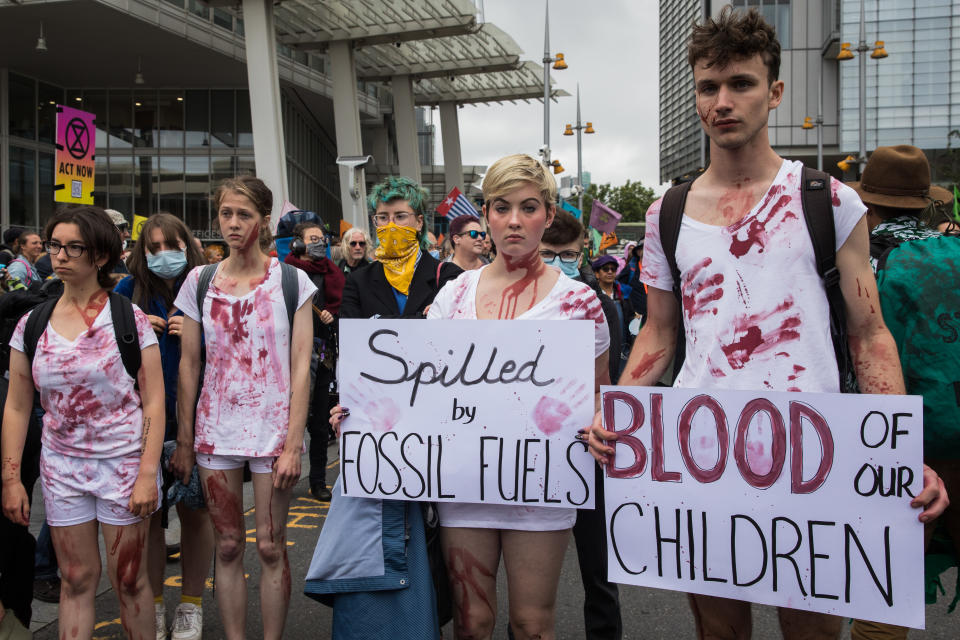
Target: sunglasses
{"x": 358, "y": 243}
{"x": 474, "y": 234}
{"x": 608, "y": 268}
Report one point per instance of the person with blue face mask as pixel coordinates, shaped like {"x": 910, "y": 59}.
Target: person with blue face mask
{"x": 562, "y": 247}
{"x": 162, "y": 256}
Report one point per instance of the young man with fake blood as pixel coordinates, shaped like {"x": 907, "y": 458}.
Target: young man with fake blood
{"x": 755, "y": 312}
{"x": 519, "y": 195}
{"x": 253, "y": 400}
{"x": 102, "y": 430}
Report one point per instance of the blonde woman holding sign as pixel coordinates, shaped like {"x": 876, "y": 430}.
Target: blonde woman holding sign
{"x": 519, "y": 195}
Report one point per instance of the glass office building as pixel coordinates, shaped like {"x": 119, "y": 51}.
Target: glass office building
{"x": 912, "y": 96}
{"x": 156, "y": 150}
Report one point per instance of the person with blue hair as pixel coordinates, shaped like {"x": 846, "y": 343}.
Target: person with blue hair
{"x": 371, "y": 562}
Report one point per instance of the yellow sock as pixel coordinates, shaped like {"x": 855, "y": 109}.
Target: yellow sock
{"x": 158, "y": 599}
{"x": 194, "y": 600}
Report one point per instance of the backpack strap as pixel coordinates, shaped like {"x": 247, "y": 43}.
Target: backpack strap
{"x": 816, "y": 199}
{"x": 125, "y": 330}
{"x": 671, "y": 217}
{"x": 36, "y": 325}
{"x": 203, "y": 284}
{"x": 291, "y": 287}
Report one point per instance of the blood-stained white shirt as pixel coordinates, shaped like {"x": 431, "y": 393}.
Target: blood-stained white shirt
{"x": 92, "y": 407}
{"x": 755, "y": 312}
{"x": 567, "y": 300}
{"x": 244, "y": 404}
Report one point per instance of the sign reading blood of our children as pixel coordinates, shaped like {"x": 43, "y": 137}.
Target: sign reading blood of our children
{"x": 480, "y": 411}
{"x": 790, "y": 499}
{"x": 76, "y": 142}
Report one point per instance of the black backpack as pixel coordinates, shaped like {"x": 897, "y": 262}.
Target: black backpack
{"x": 818, "y": 213}
{"x": 124, "y": 328}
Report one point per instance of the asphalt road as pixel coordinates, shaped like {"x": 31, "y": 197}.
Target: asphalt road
{"x": 647, "y": 613}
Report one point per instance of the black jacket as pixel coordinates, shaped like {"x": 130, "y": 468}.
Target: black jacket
{"x": 367, "y": 292}
{"x": 609, "y": 308}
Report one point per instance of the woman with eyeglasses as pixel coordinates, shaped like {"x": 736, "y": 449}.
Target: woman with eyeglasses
{"x": 467, "y": 237}
{"x": 102, "y": 430}
{"x": 392, "y": 596}
{"x": 354, "y": 248}
{"x": 308, "y": 252}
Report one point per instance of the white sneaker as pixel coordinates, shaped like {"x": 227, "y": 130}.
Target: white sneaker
{"x": 160, "y": 616}
{"x": 187, "y": 622}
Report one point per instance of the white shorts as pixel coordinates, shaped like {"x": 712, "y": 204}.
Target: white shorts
{"x": 78, "y": 490}
{"x": 217, "y": 462}
{"x": 505, "y": 516}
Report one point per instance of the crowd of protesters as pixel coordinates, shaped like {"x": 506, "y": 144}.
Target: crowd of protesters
{"x": 164, "y": 372}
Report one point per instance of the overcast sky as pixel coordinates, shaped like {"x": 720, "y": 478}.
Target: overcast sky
{"x": 611, "y": 47}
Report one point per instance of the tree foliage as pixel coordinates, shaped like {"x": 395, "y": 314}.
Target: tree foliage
{"x": 631, "y": 200}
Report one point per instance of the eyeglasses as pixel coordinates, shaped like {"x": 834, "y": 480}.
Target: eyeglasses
{"x": 474, "y": 234}
{"x": 568, "y": 257}
{"x": 358, "y": 243}
{"x": 609, "y": 268}
{"x": 73, "y": 250}
{"x": 400, "y": 218}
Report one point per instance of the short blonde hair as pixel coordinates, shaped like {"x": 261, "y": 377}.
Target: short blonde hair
{"x": 512, "y": 172}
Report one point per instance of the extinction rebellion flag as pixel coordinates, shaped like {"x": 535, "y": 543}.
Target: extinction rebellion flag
{"x": 456, "y": 204}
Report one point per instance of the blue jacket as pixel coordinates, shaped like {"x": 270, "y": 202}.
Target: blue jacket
{"x": 371, "y": 564}
{"x": 169, "y": 348}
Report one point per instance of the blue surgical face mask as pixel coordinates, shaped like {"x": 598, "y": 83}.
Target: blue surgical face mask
{"x": 435, "y": 253}
{"x": 167, "y": 264}
{"x": 571, "y": 270}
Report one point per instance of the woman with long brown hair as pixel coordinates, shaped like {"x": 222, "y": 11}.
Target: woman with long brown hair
{"x": 159, "y": 262}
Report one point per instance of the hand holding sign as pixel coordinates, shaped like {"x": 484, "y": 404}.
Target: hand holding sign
{"x": 488, "y": 418}
{"x": 796, "y": 500}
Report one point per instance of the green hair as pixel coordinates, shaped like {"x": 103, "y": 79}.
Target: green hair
{"x": 401, "y": 188}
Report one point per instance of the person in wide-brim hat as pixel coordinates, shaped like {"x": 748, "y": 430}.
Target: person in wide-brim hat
{"x": 899, "y": 177}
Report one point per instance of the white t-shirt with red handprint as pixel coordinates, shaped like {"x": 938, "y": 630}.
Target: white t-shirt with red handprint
{"x": 93, "y": 409}
{"x": 567, "y": 300}
{"x": 755, "y": 311}
{"x": 244, "y": 404}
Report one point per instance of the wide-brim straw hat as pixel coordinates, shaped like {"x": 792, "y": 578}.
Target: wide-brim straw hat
{"x": 899, "y": 177}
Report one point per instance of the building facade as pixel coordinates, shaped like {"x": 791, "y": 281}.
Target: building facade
{"x": 911, "y": 96}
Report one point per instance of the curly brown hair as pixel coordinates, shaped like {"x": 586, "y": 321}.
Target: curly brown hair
{"x": 734, "y": 35}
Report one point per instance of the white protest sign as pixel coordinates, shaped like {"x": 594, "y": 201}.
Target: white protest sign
{"x": 467, "y": 411}
{"x": 790, "y": 499}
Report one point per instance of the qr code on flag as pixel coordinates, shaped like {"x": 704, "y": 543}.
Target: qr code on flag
{"x": 76, "y": 189}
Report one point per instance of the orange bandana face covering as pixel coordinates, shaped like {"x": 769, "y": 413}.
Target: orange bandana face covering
{"x": 397, "y": 250}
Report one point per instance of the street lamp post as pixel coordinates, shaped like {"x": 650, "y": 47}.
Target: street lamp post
{"x": 878, "y": 53}
{"x": 580, "y": 129}
{"x": 558, "y": 64}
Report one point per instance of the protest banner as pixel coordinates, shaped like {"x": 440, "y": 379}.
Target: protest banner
{"x": 467, "y": 411}
{"x": 76, "y": 141}
{"x": 789, "y": 499}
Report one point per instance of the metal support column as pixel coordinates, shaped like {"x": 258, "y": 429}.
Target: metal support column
{"x": 346, "y": 116}
{"x": 405, "y": 120}
{"x": 452, "y": 160}
{"x": 265, "y": 110}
